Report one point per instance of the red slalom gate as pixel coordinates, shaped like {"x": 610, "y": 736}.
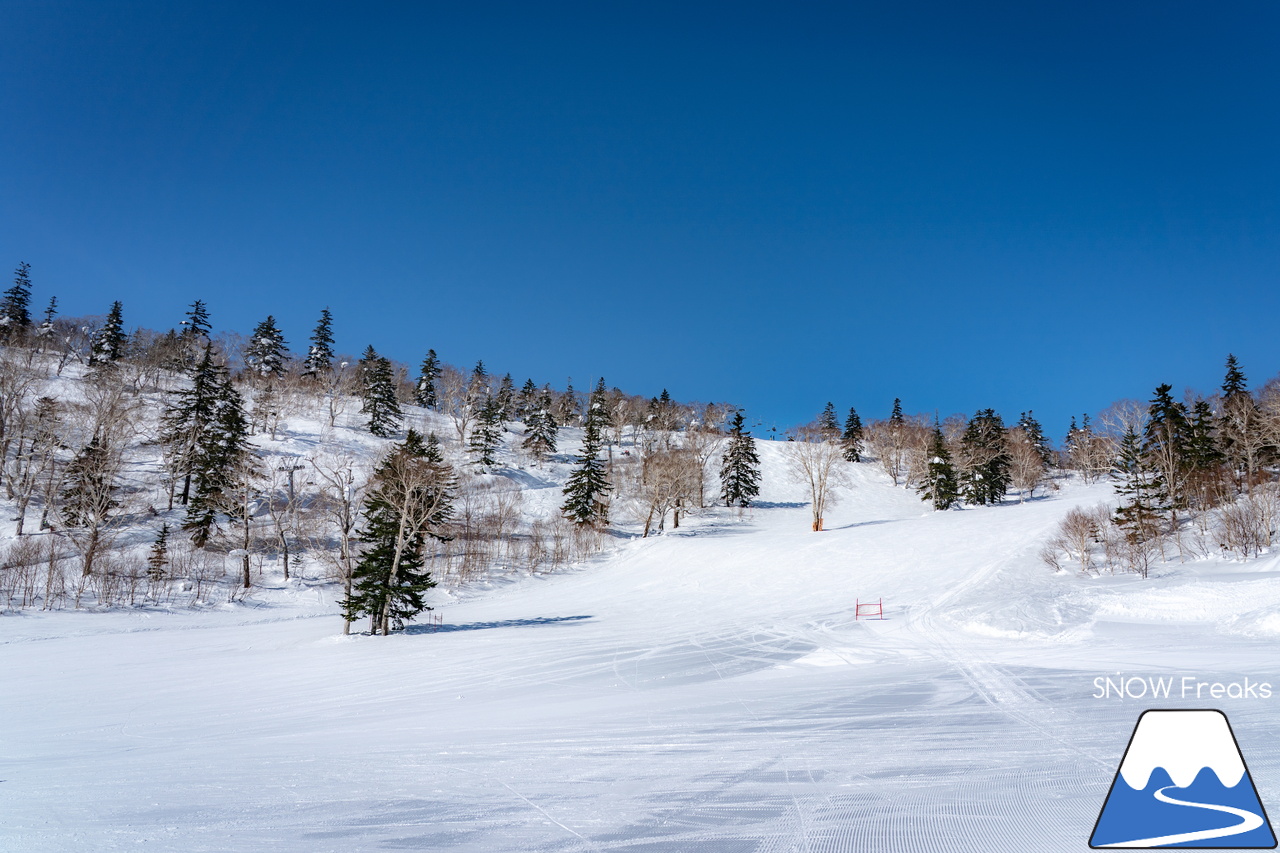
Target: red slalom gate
{"x": 871, "y": 610}
{"x": 435, "y": 622}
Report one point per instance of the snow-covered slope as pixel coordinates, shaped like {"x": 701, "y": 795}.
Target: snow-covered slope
{"x": 708, "y": 689}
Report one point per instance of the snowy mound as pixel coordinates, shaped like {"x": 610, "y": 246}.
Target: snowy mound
{"x": 1183, "y": 743}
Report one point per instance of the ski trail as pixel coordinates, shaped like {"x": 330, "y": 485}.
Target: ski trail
{"x": 1248, "y": 821}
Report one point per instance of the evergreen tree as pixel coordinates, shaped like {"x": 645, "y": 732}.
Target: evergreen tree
{"x": 196, "y": 333}
{"x": 827, "y": 420}
{"x": 425, "y": 392}
{"x": 986, "y": 478}
{"x": 587, "y": 489}
{"x": 506, "y": 399}
{"x": 1239, "y": 427}
{"x": 89, "y": 491}
{"x": 109, "y": 344}
{"x": 1136, "y": 515}
{"x": 852, "y": 437}
{"x": 1204, "y": 458}
{"x": 158, "y": 559}
{"x": 526, "y": 401}
{"x": 378, "y": 393}
{"x": 567, "y": 408}
{"x": 541, "y": 428}
{"x": 1035, "y": 434}
{"x": 1165, "y": 451}
{"x": 320, "y": 354}
{"x": 1234, "y": 383}
{"x": 940, "y": 486}
{"x": 45, "y": 329}
{"x": 266, "y": 353}
{"x": 221, "y": 464}
{"x": 15, "y": 308}
{"x": 740, "y": 467}
{"x": 409, "y": 498}
{"x": 190, "y": 415}
{"x": 487, "y": 434}
{"x": 895, "y": 418}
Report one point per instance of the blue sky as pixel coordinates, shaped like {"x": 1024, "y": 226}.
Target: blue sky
{"x": 1002, "y": 205}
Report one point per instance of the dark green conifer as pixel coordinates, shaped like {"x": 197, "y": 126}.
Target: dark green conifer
{"x": 15, "y": 308}
{"x": 586, "y": 492}
{"x": 320, "y": 355}
{"x": 827, "y": 420}
{"x": 378, "y": 394}
{"x": 109, "y": 343}
{"x": 739, "y": 467}
{"x": 852, "y": 437}
{"x": 940, "y": 486}
{"x": 266, "y": 353}
{"x": 541, "y": 427}
{"x": 425, "y": 391}
{"x": 988, "y": 478}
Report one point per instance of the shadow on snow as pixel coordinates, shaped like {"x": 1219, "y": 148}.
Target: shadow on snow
{"x": 482, "y": 626}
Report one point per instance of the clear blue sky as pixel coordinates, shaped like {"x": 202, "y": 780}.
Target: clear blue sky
{"x": 963, "y": 205}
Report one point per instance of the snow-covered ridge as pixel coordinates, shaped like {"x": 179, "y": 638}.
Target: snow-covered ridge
{"x": 1183, "y": 743}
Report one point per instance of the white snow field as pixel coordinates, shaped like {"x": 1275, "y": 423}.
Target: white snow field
{"x": 704, "y": 690}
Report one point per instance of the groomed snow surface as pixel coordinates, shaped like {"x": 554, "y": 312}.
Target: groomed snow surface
{"x": 706, "y": 690}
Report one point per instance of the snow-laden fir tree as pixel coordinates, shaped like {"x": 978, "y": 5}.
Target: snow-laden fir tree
{"x": 827, "y": 420}
{"x": 196, "y": 333}
{"x": 1204, "y": 476}
{"x": 541, "y": 427}
{"x": 189, "y": 414}
{"x": 158, "y": 558}
{"x": 424, "y": 393}
{"x": 486, "y": 436}
{"x": 45, "y": 330}
{"x": 526, "y": 400}
{"x": 15, "y": 308}
{"x": 378, "y": 394}
{"x": 1166, "y": 452}
{"x": 568, "y": 409}
{"x": 320, "y": 354}
{"x": 985, "y": 478}
{"x": 939, "y": 486}
{"x": 852, "y": 437}
{"x": 89, "y": 496}
{"x": 586, "y": 492}
{"x": 266, "y": 353}
{"x": 1035, "y": 434}
{"x": 478, "y": 386}
{"x": 1137, "y": 514}
{"x": 1241, "y": 437}
{"x": 222, "y": 463}
{"x": 739, "y": 467}
{"x": 109, "y": 343}
{"x": 895, "y": 417}
{"x": 506, "y": 399}
{"x": 409, "y": 499}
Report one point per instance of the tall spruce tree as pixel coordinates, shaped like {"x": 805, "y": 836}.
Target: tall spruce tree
{"x": 266, "y": 353}
{"x": 827, "y": 420}
{"x": 189, "y": 414}
{"x": 852, "y": 437}
{"x": 378, "y": 394}
{"x": 486, "y": 437}
{"x": 740, "y": 466}
{"x": 1166, "y": 452}
{"x": 15, "y": 308}
{"x": 1137, "y": 514}
{"x": 425, "y": 392}
{"x": 940, "y": 486}
{"x": 196, "y": 333}
{"x": 506, "y": 399}
{"x": 586, "y": 492}
{"x": 45, "y": 329}
{"x": 1240, "y": 427}
{"x": 526, "y": 400}
{"x": 110, "y": 341}
{"x": 320, "y": 355}
{"x": 986, "y": 478}
{"x": 409, "y": 499}
{"x": 540, "y": 427}
{"x": 221, "y": 463}
{"x": 1035, "y": 434}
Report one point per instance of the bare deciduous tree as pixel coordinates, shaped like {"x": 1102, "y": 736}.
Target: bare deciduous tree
{"x": 817, "y": 460}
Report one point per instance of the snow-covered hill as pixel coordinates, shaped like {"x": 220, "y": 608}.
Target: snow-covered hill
{"x": 708, "y": 689}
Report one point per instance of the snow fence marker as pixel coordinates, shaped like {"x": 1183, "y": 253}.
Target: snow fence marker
{"x": 871, "y": 610}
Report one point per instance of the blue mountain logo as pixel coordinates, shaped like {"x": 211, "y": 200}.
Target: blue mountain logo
{"x": 1183, "y": 783}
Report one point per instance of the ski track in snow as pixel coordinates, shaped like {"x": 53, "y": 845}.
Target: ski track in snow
{"x": 708, "y": 690}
